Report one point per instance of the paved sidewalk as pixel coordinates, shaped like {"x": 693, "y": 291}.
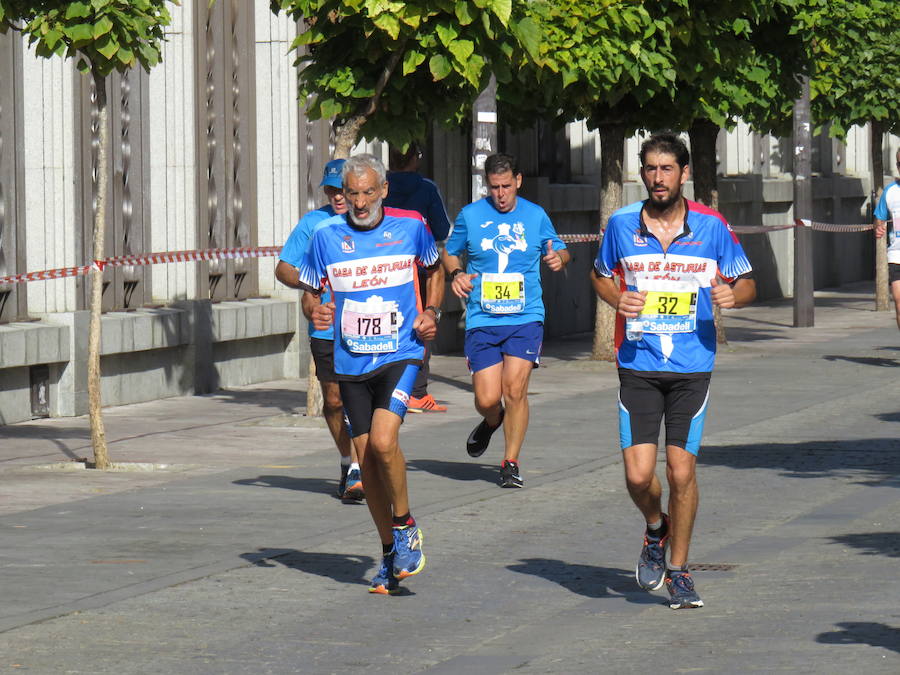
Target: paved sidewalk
{"x": 227, "y": 553}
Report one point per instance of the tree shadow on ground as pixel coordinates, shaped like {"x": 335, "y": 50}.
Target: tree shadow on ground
{"x": 889, "y": 417}
{"x": 863, "y": 633}
{"x": 865, "y": 360}
{"x": 872, "y": 543}
{"x": 591, "y": 581}
{"x": 315, "y": 485}
{"x": 464, "y": 471}
{"x": 285, "y": 400}
{"x": 868, "y": 461}
{"x": 345, "y": 569}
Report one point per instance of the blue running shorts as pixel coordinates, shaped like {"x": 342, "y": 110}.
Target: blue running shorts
{"x": 486, "y": 346}
{"x": 389, "y": 389}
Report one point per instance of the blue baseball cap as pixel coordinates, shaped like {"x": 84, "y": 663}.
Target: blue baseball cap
{"x": 332, "y": 175}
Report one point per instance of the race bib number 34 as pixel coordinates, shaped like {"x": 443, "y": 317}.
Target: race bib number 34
{"x": 502, "y": 293}
{"x": 370, "y": 327}
{"x": 670, "y": 312}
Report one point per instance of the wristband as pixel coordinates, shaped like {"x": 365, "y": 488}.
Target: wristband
{"x": 455, "y": 273}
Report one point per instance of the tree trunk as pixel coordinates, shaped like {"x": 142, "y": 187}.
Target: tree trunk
{"x": 876, "y": 135}
{"x": 612, "y": 154}
{"x": 98, "y": 433}
{"x": 703, "y": 134}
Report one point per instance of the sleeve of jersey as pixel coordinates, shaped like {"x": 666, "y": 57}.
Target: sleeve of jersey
{"x": 295, "y": 246}
{"x": 881, "y": 211}
{"x": 311, "y": 271}
{"x": 427, "y": 248}
{"x": 548, "y": 233}
{"x": 456, "y": 243}
{"x": 607, "y": 257}
{"x": 733, "y": 262}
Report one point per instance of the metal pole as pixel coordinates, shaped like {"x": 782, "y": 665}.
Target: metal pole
{"x": 804, "y": 304}
{"x": 484, "y": 136}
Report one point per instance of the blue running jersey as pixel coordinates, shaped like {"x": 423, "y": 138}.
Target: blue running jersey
{"x": 888, "y": 210}
{"x": 372, "y": 275}
{"x": 295, "y": 247}
{"x": 679, "y": 333}
{"x": 505, "y": 250}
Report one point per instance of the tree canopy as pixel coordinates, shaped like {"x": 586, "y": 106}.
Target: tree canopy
{"x": 386, "y": 69}
{"x": 102, "y": 35}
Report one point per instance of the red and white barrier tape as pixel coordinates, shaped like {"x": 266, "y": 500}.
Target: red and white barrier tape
{"x": 271, "y": 251}
{"x": 146, "y": 259}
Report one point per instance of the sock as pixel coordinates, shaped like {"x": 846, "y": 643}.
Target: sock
{"x": 659, "y": 529}
{"x": 405, "y": 520}
{"x": 387, "y": 548}
{"x": 345, "y": 462}
{"x": 672, "y": 568}
{"x": 354, "y": 467}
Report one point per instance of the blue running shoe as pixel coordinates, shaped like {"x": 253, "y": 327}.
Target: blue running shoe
{"x": 353, "y": 490}
{"x": 384, "y": 582}
{"x": 408, "y": 556}
{"x": 650, "y": 571}
{"x": 680, "y": 584}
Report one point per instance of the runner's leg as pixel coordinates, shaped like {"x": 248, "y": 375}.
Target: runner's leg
{"x": 514, "y": 382}
{"x": 684, "y": 495}
{"x": 895, "y": 292}
{"x": 641, "y": 480}
{"x": 377, "y": 495}
{"x": 333, "y": 411}
{"x": 488, "y": 387}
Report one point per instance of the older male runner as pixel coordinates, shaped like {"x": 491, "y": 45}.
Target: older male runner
{"x": 369, "y": 258}
{"x": 676, "y": 259}
{"x": 321, "y": 342}
{"x": 505, "y": 237}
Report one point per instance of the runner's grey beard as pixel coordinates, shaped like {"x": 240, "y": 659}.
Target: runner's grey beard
{"x": 369, "y": 221}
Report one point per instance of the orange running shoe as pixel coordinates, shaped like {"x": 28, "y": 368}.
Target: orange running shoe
{"x": 425, "y": 404}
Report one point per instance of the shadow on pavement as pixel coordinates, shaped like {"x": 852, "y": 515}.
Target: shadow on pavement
{"x": 865, "y": 360}
{"x": 317, "y": 485}
{"x": 346, "y": 569}
{"x": 863, "y": 633}
{"x": 588, "y": 580}
{"x": 286, "y": 400}
{"x": 461, "y": 470}
{"x": 872, "y": 460}
{"x": 889, "y": 417}
{"x": 872, "y": 543}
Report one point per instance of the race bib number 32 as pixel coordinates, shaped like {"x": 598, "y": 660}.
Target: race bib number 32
{"x": 502, "y": 293}
{"x": 670, "y": 312}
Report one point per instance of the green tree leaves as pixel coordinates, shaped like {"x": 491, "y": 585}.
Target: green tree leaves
{"x": 104, "y": 35}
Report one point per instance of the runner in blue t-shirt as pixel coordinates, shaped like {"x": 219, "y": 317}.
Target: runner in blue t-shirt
{"x": 676, "y": 259}
{"x": 369, "y": 259}
{"x": 321, "y": 342}
{"x": 505, "y": 238}
{"x": 888, "y": 210}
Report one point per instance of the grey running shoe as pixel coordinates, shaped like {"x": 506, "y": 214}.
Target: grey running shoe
{"x": 480, "y": 437}
{"x": 509, "y": 475}
{"x": 650, "y": 571}
{"x": 680, "y": 584}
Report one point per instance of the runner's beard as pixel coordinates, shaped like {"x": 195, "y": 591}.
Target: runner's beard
{"x": 369, "y": 221}
{"x": 665, "y": 203}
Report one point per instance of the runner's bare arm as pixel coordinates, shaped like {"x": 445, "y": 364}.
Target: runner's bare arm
{"x": 287, "y": 274}
{"x": 308, "y": 303}
{"x": 627, "y": 303}
{"x": 880, "y": 228}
